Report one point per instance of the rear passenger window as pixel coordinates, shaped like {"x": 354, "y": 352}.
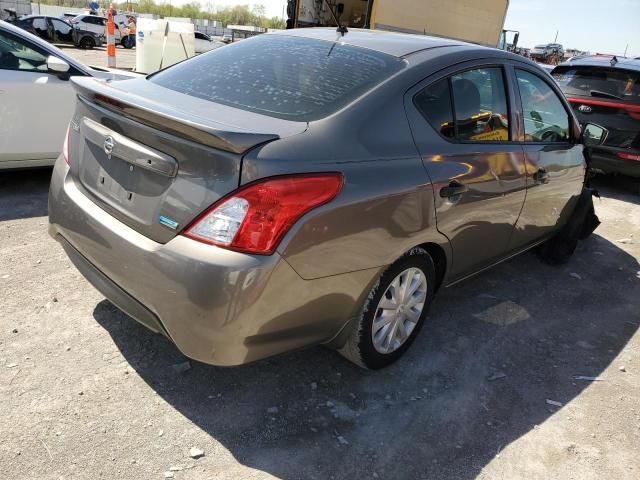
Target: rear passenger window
{"x": 479, "y": 111}
{"x": 39, "y": 23}
{"x": 434, "y": 103}
{"x": 480, "y": 102}
{"x": 545, "y": 118}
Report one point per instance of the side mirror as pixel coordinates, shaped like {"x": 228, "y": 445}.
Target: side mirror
{"x": 57, "y": 65}
{"x": 593, "y": 134}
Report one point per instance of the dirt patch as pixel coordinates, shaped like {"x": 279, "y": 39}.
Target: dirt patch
{"x": 88, "y": 393}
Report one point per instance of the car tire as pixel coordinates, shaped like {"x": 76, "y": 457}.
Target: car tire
{"x": 366, "y": 343}
{"x": 87, "y": 43}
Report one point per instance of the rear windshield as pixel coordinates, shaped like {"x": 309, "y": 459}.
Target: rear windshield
{"x": 285, "y": 77}
{"x": 606, "y": 83}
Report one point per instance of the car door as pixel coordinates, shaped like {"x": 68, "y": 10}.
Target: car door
{"x": 461, "y": 122}
{"x": 40, "y": 28}
{"x": 95, "y": 25}
{"x": 554, "y": 157}
{"x": 62, "y": 31}
{"x": 35, "y": 105}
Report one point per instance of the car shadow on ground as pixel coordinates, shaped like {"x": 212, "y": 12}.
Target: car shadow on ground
{"x": 619, "y": 187}
{"x": 478, "y": 377}
{"x": 23, "y": 193}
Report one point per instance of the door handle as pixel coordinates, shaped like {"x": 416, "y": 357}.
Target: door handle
{"x": 541, "y": 176}
{"x": 454, "y": 188}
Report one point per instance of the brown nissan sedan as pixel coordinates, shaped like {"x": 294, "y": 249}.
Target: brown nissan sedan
{"x": 304, "y": 188}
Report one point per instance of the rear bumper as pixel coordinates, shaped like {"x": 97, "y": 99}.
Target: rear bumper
{"x": 606, "y": 160}
{"x": 218, "y": 306}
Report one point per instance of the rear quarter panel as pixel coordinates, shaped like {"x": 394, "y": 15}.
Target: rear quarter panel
{"x": 386, "y": 206}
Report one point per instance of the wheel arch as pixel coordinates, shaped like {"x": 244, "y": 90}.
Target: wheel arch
{"x": 439, "y": 257}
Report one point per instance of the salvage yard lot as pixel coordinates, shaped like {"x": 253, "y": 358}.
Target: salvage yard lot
{"x": 88, "y": 393}
{"x": 125, "y": 59}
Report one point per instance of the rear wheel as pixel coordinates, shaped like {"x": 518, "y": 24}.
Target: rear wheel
{"x": 87, "y": 43}
{"x": 393, "y": 312}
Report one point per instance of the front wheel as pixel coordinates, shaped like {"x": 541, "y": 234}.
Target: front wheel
{"x": 393, "y": 313}
{"x": 87, "y": 43}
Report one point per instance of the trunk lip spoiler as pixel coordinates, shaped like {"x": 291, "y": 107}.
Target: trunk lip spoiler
{"x": 150, "y": 113}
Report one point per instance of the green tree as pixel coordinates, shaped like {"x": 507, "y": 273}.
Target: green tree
{"x": 236, "y": 15}
{"x": 276, "y": 22}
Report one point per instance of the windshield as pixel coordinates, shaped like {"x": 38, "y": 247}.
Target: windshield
{"x": 606, "y": 83}
{"x": 540, "y": 46}
{"x": 285, "y": 77}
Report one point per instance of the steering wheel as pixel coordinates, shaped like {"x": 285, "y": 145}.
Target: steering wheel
{"x": 551, "y": 135}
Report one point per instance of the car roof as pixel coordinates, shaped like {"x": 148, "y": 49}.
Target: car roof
{"x": 46, "y": 46}
{"x": 391, "y": 43}
{"x": 603, "y": 61}
{"x": 25, "y": 17}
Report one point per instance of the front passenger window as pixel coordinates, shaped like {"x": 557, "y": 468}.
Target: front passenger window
{"x": 545, "y": 119}
{"x": 16, "y": 54}
{"x": 61, "y": 27}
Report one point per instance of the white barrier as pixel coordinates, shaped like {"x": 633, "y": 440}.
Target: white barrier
{"x": 160, "y": 43}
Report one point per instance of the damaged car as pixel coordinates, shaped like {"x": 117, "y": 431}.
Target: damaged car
{"x": 323, "y": 201}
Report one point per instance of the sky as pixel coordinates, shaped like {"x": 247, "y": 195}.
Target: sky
{"x": 598, "y": 26}
{"x": 603, "y": 26}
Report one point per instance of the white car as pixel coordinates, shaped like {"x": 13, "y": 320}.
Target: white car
{"x": 204, "y": 43}
{"x": 36, "y": 97}
{"x": 98, "y": 25}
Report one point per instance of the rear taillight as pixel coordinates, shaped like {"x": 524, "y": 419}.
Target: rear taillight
{"x": 65, "y": 148}
{"x": 256, "y": 217}
{"x": 629, "y": 156}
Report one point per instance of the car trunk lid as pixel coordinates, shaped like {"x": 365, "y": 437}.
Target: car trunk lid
{"x": 156, "y": 158}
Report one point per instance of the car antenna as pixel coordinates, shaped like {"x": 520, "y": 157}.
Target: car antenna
{"x": 614, "y": 60}
{"x": 341, "y": 28}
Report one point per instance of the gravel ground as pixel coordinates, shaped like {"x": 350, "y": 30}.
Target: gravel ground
{"x": 125, "y": 59}
{"x": 487, "y": 390}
